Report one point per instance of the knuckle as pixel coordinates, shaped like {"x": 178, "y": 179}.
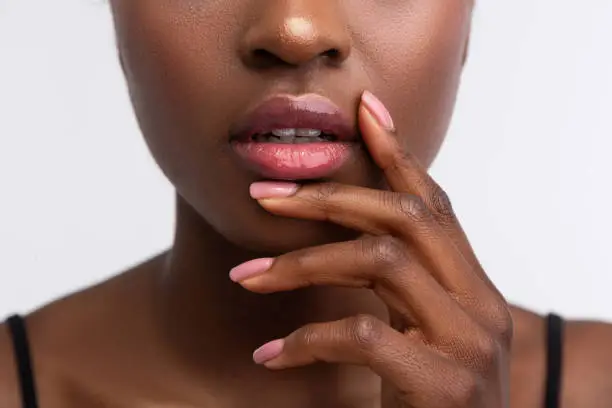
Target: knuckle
{"x": 464, "y": 390}
{"x": 325, "y": 191}
{"x": 502, "y": 323}
{"x": 488, "y": 351}
{"x": 309, "y": 335}
{"x": 480, "y": 351}
{"x": 366, "y": 331}
{"x": 301, "y": 263}
{"x": 406, "y": 159}
{"x": 412, "y": 207}
{"x": 387, "y": 251}
{"x": 302, "y": 259}
{"x": 440, "y": 202}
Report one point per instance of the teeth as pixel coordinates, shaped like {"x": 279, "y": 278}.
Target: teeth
{"x": 293, "y": 136}
{"x": 284, "y": 132}
{"x": 306, "y": 139}
{"x": 269, "y": 138}
{"x": 308, "y": 132}
{"x": 296, "y": 132}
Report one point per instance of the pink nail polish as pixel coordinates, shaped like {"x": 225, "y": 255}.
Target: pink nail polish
{"x": 268, "y": 351}
{"x": 378, "y": 110}
{"x": 250, "y": 269}
{"x": 272, "y": 189}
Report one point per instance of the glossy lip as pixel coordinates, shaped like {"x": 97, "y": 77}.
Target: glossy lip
{"x": 308, "y": 111}
{"x": 308, "y": 161}
{"x": 294, "y": 161}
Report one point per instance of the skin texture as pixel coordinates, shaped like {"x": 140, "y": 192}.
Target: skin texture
{"x": 371, "y": 270}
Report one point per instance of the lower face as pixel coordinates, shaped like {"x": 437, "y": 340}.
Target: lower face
{"x": 195, "y": 68}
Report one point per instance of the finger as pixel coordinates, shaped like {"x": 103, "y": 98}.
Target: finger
{"x": 405, "y": 174}
{"x": 382, "y": 264}
{"x": 379, "y": 213}
{"x": 416, "y": 370}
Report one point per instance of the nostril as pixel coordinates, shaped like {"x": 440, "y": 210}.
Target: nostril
{"x": 333, "y": 53}
{"x": 263, "y": 58}
{"x": 261, "y": 53}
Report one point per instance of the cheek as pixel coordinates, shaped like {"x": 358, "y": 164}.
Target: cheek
{"x": 416, "y": 59}
{"x": 171, "y": 59}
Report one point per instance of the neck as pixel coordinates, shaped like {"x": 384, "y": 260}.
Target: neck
{"x": 210, "y": 321}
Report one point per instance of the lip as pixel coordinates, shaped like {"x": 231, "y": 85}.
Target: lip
{"x": 309, "y": 111}
{"x": 300, "y": 161}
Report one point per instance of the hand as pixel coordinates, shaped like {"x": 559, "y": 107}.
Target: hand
{"x": 450, "y": 332}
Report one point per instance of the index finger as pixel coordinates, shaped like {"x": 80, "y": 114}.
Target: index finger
{"x": 402, "y": 170}
{"x": 404, "y": 173}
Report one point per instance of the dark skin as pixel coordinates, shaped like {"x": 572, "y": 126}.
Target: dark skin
{"x": 371, "y": 276}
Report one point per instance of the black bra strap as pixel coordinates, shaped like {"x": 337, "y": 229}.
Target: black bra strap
{"x": 19, "y": 335}
{"x": 554, "y": 360}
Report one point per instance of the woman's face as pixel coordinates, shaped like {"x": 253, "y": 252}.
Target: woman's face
{"x": 195, "y": 68}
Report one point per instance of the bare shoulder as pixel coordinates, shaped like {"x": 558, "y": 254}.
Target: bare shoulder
{"x": 9, "y": 396}
{"x": 587, "y": 378}
{"x": 79, "y": 343}
{"x": 586, "y": 362}
{"x": 10, "y": 387}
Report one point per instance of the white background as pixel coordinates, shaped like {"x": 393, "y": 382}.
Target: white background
{"x": 527, "y": 161}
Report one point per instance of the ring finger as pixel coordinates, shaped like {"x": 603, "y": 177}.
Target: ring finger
{"x": 383, "y": 264}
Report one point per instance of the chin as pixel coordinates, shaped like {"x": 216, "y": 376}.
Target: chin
{"x": 276, "y": 235}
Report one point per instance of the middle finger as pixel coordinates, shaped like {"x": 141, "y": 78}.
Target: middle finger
{"x": 382, "y": 264}
{"x": 380, "y": 212}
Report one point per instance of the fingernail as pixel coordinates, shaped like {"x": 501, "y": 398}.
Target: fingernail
{"x": 378, "y": 110}
{"x": 270, "y": 189}
{"x": 250, "y": 269}
{"x": 268, "y": 351}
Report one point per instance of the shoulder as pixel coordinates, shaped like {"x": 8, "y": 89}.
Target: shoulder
{"x": 587, "y": 378}
{"x": 9, "y": 386}
{"x": 72, "y": 341}
{"x": 47, "y": 335}
{"x": 586, "y": 362}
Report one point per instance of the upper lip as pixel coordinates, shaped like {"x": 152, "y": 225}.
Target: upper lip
{"x": 308, "y": 111}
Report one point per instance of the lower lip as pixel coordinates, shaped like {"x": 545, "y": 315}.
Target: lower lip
{"x": 294, "y": 161}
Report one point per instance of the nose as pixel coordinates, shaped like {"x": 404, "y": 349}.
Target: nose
{"x": 295, "y": 33}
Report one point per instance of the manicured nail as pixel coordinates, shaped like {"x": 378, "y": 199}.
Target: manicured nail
{"x": 378, "y": 110}
{"x": 268, "y": 351}
{"x": 272, "y": 189}
{"x": 250, "y": 269}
